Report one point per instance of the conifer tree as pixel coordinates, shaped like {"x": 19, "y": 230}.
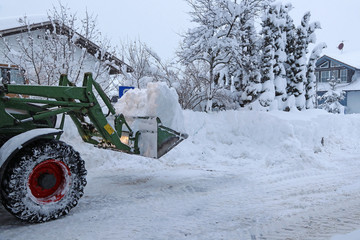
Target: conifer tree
{"x": 279, "y": 35}
{"x": 331, "y": 99}
{"x": 290, "y": 32}
{"x": 267, "y": 94}
{"x": 250, "y": 60}
{"x": 304, "y": 36}
{"x": 310, "y": 94}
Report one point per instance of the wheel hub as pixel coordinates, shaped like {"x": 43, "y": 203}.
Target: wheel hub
{"x": 48, "y": 181}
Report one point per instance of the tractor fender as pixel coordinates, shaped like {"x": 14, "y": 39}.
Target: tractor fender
{"x": 14, "y": 144}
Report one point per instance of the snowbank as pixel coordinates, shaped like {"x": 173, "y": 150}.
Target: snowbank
{"x": 258, "y": 141}
{"x": 239, "y": 175}
{"x": 158, "y": 100}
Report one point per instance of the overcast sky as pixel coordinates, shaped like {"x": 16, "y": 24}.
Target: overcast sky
{"x": 158, "y": 23}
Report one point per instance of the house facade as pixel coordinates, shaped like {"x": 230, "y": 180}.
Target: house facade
{"x": 348, "y": 77}
{"x": 9, "y": 70}
{"x": 328, "y": 67}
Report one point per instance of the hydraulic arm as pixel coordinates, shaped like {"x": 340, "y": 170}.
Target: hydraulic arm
{"x": 80, "y": 103}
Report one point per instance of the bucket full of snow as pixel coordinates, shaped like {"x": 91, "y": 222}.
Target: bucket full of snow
{"x": 143, "y": 109}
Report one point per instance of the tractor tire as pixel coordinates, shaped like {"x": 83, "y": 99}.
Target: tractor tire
{"x": 43, "y": 181}
{"x": 3, "y": 139}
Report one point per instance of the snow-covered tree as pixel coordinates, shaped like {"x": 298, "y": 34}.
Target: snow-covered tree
{"x": 217, "y": 41}
{"x": 246, "y": 55}
{"x": 250, "y": 62}
{"x": 274, "y": 56}
{"x": 148, "y": 67}
{"x": 166, "y": 72}
{"x": 304, "y": 36}
{"x": 290, "y": 32}
{"x": 209, "y": 42}
{"x": 190, "y": 88}
{"x": 136, "y": 54}
{"x": 267, "y": 94}
{"x": 331, "y": 99}
{"x": 265, "y": 70}
{"x": 310, "y": 87}
{"x": 279, "y": 33}
{"x": 56, "y": 50}
{"x": 298, "y": 83}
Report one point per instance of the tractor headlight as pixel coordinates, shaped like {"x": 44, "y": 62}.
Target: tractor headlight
{"x": 125, "y": 138}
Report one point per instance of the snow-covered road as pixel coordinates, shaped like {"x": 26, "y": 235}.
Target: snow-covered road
{"x": 228, "y": 180}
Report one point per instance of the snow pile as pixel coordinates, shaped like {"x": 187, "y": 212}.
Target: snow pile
{"x": 260, "y": 141}
{"x": 158, "y": 100}
{"x": 256, "y": 141}
{"x": 239, "y": 175}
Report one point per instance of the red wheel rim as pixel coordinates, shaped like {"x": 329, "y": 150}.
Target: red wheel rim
{"x": 48, "y": 181}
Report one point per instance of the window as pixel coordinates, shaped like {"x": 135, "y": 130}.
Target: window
{"x": 317, "y": 75}
{"x": 324, "y": 65}
{"x": 5, "y": 75}
{"x": 334, "y": 64}
{"x": 325, "y": 76}
{"x": 343, "y": 75}
{"x": 16, "y": 76}
{"x": 11, "y": 75}
{"x": 335, "y": 74}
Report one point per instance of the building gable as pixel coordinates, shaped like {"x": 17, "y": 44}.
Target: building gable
{"x": 332, "y": 63}
{"x": 116, "y": 65}
{"x": 328, "y": 68}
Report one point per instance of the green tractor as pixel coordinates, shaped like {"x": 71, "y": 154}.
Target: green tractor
{"x": 43, "y": 178}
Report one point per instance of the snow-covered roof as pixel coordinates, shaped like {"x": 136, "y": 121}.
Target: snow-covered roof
{"x": 12, "y": 26}
{"x": 325, "y": 58}
{"x": 15, "y": 22}
{"x": 350, "y": 54}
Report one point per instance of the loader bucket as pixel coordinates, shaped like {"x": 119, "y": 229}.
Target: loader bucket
{"x": 167, "y": 139}
{"x": 155, "y": 139}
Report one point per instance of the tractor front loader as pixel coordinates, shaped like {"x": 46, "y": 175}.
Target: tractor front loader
{"x": 41, "y": 177}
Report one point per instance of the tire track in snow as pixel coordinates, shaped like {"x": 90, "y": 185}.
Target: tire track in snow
{"x": 310, "y": 206}
{"x": 302, "y": 204}
{"x": 285, "y": 205}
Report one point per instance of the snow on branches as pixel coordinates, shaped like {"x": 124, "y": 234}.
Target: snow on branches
{"x": 267, "y": 69}
{"x": 310, "y": 85}
{"x": 54, "y": 49}
{"x": 330, "y": 101}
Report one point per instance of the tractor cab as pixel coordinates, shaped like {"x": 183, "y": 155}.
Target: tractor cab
{"x": 11, "y": 74}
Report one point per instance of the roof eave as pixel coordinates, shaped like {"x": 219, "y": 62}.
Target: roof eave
{"x": 92, "y": 48}
{"x": 338, "y": 61}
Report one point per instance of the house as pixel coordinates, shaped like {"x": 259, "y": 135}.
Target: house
{"x": 347, "y": 70}
{"x": 328, "y": 67}
{"x": 11, "y": 29}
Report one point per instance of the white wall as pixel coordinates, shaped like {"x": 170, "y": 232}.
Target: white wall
{"x": 89, "y": 64}
{"x": 353, "y": 102}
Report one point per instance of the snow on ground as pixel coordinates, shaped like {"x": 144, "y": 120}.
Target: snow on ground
{"x": 239, "y": 175}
